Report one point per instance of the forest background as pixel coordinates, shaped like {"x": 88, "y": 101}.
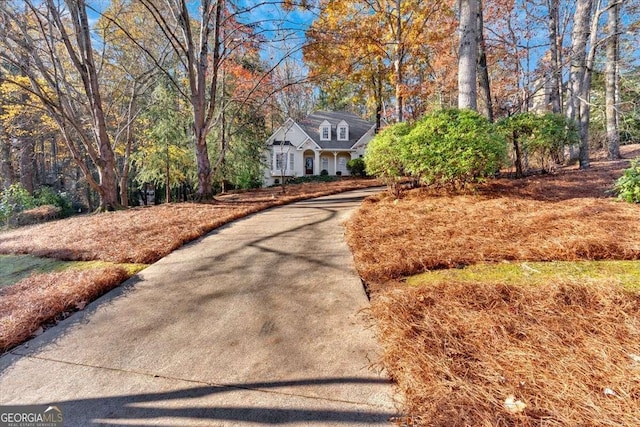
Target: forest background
{"x": 105, "y": 102}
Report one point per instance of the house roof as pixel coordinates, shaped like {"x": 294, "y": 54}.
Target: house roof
{"x": 357, "y": 128}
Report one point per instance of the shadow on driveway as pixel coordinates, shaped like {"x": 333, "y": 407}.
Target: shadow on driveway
{"x": 182, "y": 406}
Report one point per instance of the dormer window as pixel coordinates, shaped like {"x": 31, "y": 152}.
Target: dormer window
{"x": 343, "y": 131}
{"x": 325, "y": 131}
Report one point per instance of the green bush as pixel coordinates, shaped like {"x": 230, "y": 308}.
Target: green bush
{"x": 628, "y": 185}
{"x": 383, "y": 156}
{"x": 48, "y": 196}
{"x": 13, "y": 200}
{"x": 541, "y": 136}
{"x": 311, "y": 178}
{"x": 16, "y": 199}
{"x": 452, "y": 147}
{"x": 357, "y": 167}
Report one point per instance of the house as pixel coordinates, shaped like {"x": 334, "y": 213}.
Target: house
{"x": 323, "y": 141}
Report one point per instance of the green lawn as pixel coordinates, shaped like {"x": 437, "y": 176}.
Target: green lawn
{"x": 14, "y": 268}
{"x": 627, "y": 273}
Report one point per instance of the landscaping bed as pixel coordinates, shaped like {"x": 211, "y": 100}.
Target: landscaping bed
{"x": 513, "y": 321}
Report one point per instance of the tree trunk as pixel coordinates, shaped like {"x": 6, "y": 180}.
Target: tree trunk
{"x": 27, "y": 170}
{"x": 124, "y": 190}
{"x": 611, "y": 77}
{"x": 555, "y": 75}
{"x": 376, "y": 83}
{"x": 468, "y": 53}
{"x": 579, "y": 76}
{"x": 555, "y": 70}
{"x": 167, "y": 191}
{"x": 205, "y": 190}
{"x": 398, "y": 63}
{"x": 518, "y": 151}
{"x": 399, "y": 97}
{"x": 7, "y": 174}
{"x": 126, "y": 165}
{"x": 483, "y": 72}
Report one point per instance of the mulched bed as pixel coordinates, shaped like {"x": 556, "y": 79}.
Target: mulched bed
{"x": 561, "y": 354}
{"x": 29, "y": 305}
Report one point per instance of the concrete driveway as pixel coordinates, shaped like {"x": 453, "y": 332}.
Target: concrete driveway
{"x": 258, "y": 323}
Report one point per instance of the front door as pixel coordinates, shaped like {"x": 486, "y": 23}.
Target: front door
{"x": 308, "y": 165}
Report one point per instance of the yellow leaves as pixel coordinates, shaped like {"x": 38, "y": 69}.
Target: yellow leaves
{"x": 22, "y": 113}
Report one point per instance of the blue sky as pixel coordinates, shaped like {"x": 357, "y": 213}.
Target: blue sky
{"x": 283, "y": 30}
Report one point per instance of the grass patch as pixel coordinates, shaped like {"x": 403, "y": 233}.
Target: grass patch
{"x": 14, "y": 268}
{"x": 625, "y": 273}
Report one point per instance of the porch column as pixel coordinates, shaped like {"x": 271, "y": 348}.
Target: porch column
{"x": 316, "y": 163}
{"x": 335, "y": 163}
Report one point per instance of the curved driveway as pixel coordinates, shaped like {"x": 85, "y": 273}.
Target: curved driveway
{"x": 258, "y": 323}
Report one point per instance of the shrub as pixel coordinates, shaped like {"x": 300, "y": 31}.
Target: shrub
{"x": 311, "y": 178}
{"x": 13, "y": 200}
{"x": 383, "y": 156}
{"x": 357, "y": 167}
{"x": 540, "y": 136}
{"x": 48, "y": 196}
{"x": 628, "y": 185}
{"x": 452, "y": 147}
{"x": 324, "y": 172}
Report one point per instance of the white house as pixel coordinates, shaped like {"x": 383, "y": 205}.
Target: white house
{"x": 321, "y": 141}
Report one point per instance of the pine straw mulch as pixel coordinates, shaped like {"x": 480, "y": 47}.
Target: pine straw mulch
{"x": 561, "y": 354}
{"x": 563, "y": 217}
{"x": 557, "y": 354}
{"x": 144, "y": 235}
{"x": 29, "y": 305}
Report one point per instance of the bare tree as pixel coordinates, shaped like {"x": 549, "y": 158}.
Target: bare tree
{"x": 56, "y": 41}
{"x": 555, "y": 95}
{"x": 7, "y": 174}
{"x": 199, "y": 47}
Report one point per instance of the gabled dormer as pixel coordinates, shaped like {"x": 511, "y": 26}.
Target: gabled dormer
{"x": 343, "y": 131}
{"x": 325, "y": 131}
